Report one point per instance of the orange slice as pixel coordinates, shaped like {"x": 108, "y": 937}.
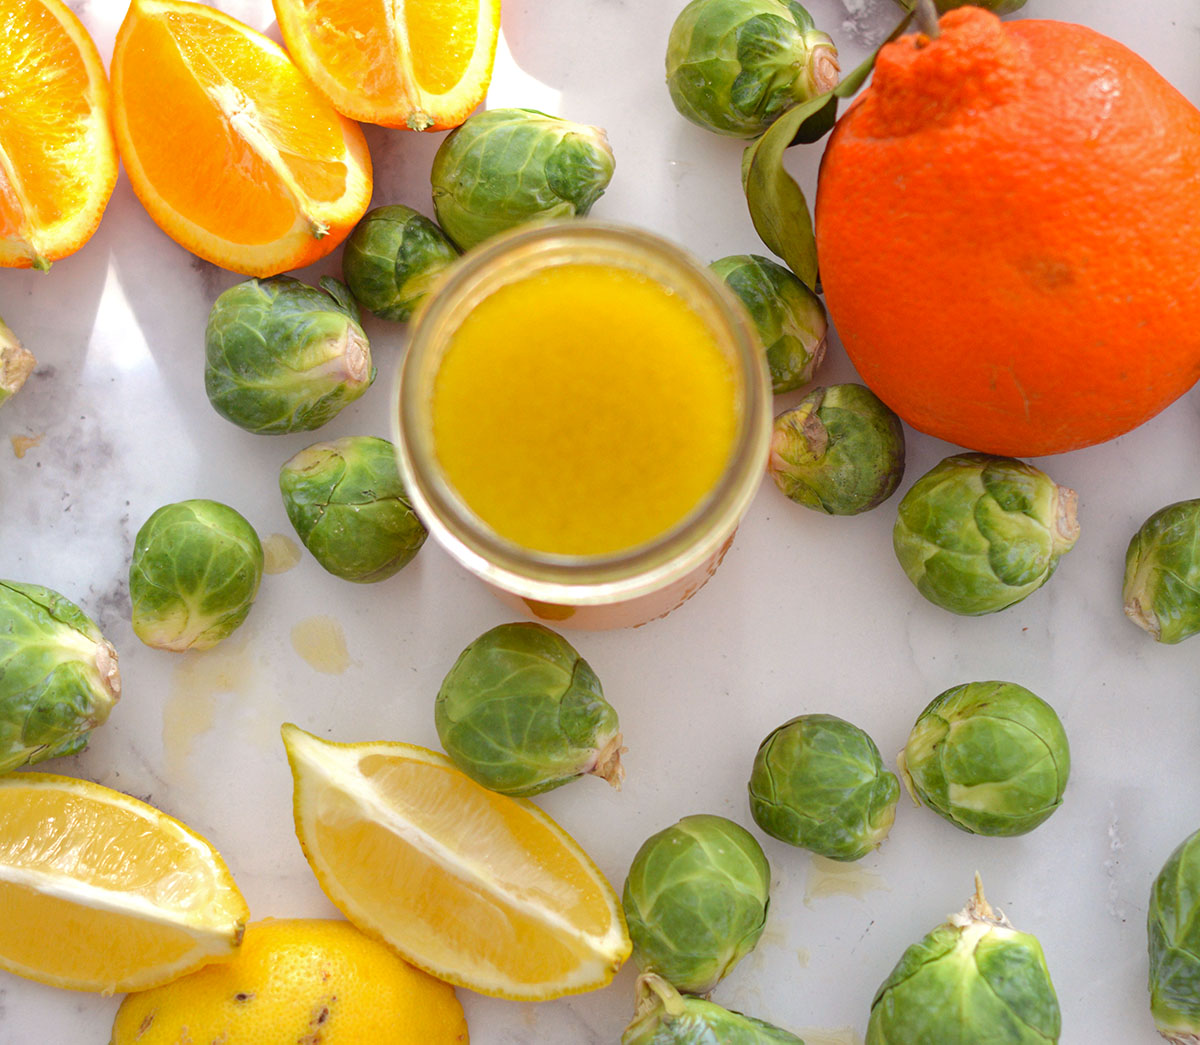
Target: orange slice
{"x": 477, "y": 888}
{"x": 58, "y": 162}
{"x": 101, "y": 892}
{"x": 420, "y": 64}
{"x": 229, "y": 147}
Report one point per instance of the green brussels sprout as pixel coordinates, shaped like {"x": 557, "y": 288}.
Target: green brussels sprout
{"x": 1161, "y": 591}
{"x": 1173, "y": 929}
{"x": 789, "y": 318}
{"x": 666, "y": 1017}
{"x": 504, "y": 167}
{"x": 973, "y": 979}
{"x": 16, "y": 363}
{"x": 350, "y": 509}
{"x": 818, "y": 782}
{"x": 734, "y": 66}
{"x": 696, "y": 901}
{"x": 280, "y": 356}
{"x": 1000, "y": 7}
{"x": 393, "y": 258}
{"x": 521, "y": 712}
{"x": 58, "y": 676}
{"x": 990, "y": 757}
{"x": 978, "y": 533}
{"x": 839, "y": 451}
{"x": 195, "y": 572}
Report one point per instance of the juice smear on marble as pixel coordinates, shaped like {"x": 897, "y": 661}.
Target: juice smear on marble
{"x": 583, "y": 410}
{"x": 321, "y": 641}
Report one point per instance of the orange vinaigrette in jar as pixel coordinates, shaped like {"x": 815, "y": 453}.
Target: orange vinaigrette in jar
{"x": 583, "y": 418}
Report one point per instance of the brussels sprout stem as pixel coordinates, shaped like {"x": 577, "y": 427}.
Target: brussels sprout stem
{"x": 825, "y": 67}
{"x": 608, "y": 762}
{"x": 106, "y": 665}
{"x": 1066, "y": 521}
{"x": 979, "y": 910}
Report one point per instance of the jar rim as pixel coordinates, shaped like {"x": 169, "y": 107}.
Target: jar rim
{"x": 552, "y": 577}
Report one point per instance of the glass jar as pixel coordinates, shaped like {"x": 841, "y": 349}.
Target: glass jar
{"x": 616, "y": 589}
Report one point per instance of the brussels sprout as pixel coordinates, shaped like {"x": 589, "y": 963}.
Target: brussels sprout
{"x": 504, "y": 167}
{"x": 58, "y": 676}
{"x": 818, "y": 782}
{"x": 1162, "y": 573}
{"x": 733, "y": 66}
{"x": 16, "y": 363}
{"x": 1000, "y": 7}
{"x": 839, "y": 451}
{"x": 972, "y": 979}
{"x": 521, "y": 712}
{"x": 978, "y": 533}
{"x": 666, "y": 1017}
{"x": 990, "y": 757}
{"x": 194, "y": 575}
{"x": 789, "y": 317}
{"x": 1173, "y": 928}
{"x": 696, "y": 901}
{"x": 392, "y": 259}
{"x": 350, "y": 509}
{"x": 280, "y": 356}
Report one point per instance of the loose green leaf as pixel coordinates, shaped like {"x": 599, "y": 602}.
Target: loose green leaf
{"x": 777, "y": 205}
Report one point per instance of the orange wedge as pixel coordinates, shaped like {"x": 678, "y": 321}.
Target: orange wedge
{"x": 58, "y": 162}
{"x": 229, "y": 147}
{"x": 479, "y": 889}
{"x": 420, "y": 64}
{"x": 101, "y": 892}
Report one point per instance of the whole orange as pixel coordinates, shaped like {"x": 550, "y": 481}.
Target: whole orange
{"x": 1008, "y": 230}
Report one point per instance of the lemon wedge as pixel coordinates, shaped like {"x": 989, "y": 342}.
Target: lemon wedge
{"x": 479, "y": 889}
{"x": 101, "y": 892}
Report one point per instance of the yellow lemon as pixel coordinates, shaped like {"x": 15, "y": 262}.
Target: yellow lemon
{"x": 298, "y": 980}
{"x": 483, "y": 890}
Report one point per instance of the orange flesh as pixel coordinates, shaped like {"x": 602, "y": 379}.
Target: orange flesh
{"x": 583, "y": 410}
{"x": 442, "y": 37}
{"x": 43, "y": 103}
{"x": 231, "y": 187}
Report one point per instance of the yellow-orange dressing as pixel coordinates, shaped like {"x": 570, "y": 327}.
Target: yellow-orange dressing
{"x": 584, "y": 409}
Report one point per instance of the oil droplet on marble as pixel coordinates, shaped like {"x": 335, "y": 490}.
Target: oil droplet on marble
{"x": 803, "y": 957}
{"x": 280, "y": 553}
{"x": 830, "y": 1036}
{"x": 191, "y": 708}
{"x": 322, "y": 642}
{"x": 23, "y": 443}
{"x": 835, "y": 878}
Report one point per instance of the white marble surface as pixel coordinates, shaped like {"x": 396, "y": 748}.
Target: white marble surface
{"x": 807, "y": 613}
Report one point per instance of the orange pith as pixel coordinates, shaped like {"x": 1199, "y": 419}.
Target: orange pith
{"x": 420, "y": 64}
{"x": 231, "y": 150}
{"x": 58, "y": 161}
{"x": 1008, "y": 228}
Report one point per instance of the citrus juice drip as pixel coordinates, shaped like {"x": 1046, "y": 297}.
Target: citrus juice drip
{"x": 583, "y": 410}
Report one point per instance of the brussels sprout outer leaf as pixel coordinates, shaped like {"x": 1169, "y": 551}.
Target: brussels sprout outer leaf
{"x": 281, "y": 356}
{"x": 818, "y": 782}
{"x": 978, "y": 533}
{"x": 665, "y": 1017}
{"x": 975, "y": 978}
{"x": 788, "y": 317}
{"x": 349, "y": 507}
{"x": 393, "y": 258}
{"x": 16, "y": 363}
{"x": 839, "y": 451}
{"x": 58, "y": 675}
{"x": 504, "y": 167}
{"x": 521, "y": 712}
{"x": 990, "y": 757}
{"x": 194, "y": 575}
{"x": 1161, "y": 587}
{"x": 1173, "y": 931}
{"x": 696, "y": 901}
